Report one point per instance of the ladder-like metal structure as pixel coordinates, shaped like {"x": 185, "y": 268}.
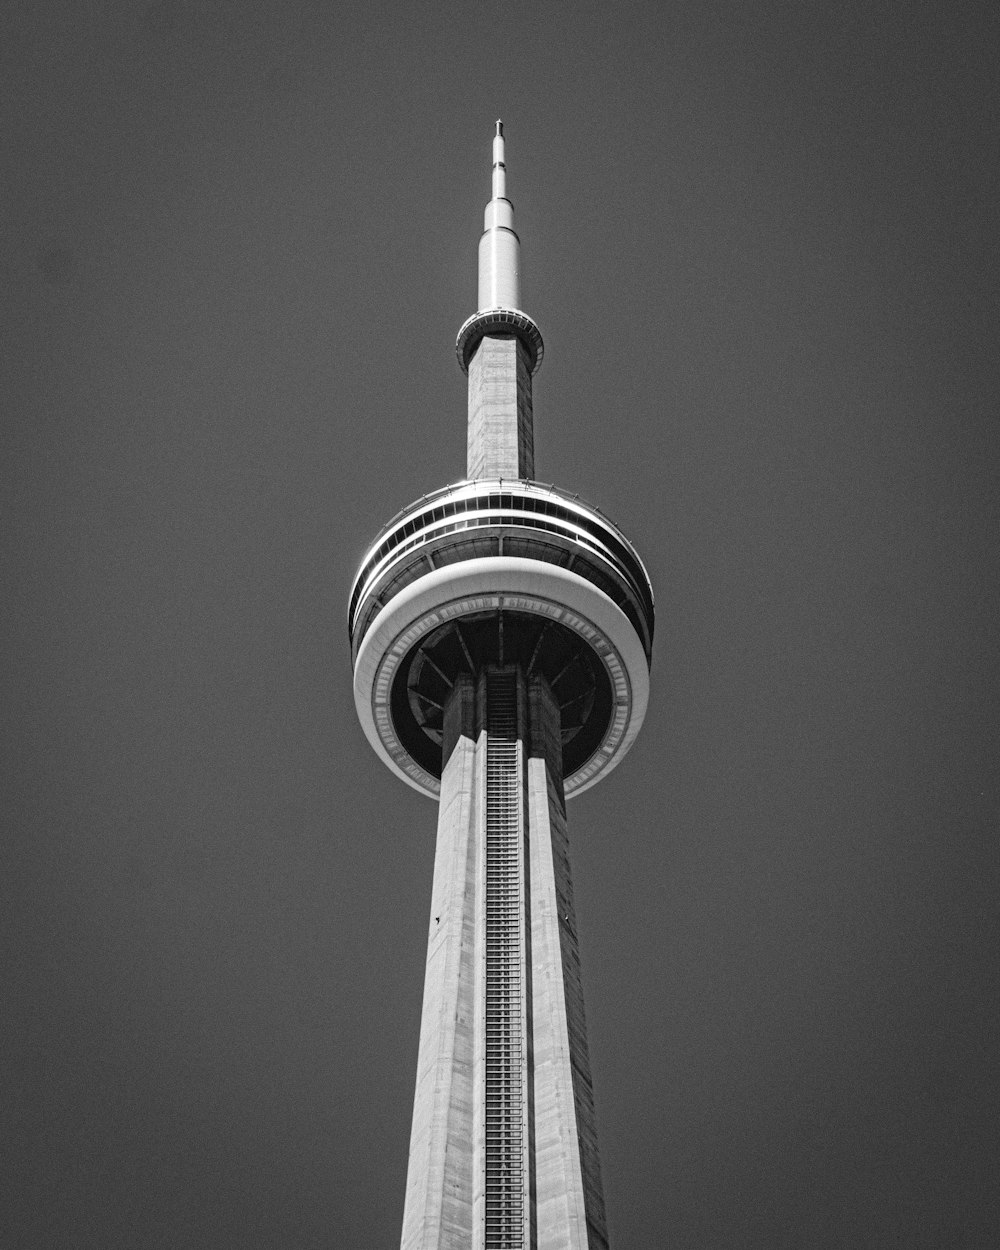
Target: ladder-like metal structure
{"x": 506, "y": 1078}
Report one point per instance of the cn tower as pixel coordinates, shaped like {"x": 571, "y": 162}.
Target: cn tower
{"x": 501, "y": 633}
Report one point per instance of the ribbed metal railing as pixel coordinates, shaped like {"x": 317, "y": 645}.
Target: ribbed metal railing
{"x": 485, "y": 505}
{"x": 505, "y": 1101}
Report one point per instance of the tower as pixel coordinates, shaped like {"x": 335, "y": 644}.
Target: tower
{"x": 501, "y": 634}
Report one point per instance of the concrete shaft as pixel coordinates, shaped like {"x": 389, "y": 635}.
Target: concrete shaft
{"x": 501, "y": 438}
{"x": 503, "y": 1148}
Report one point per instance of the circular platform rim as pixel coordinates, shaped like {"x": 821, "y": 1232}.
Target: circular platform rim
{"x": 472, "y": 501}
{"x": 504, "y": 321}
{"x": 561, "y": 595}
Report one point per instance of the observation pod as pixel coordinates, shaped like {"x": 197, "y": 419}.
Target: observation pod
{"x": 499, "y": 573}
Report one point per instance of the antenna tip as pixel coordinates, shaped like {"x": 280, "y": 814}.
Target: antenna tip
{"x": 499, "y": 127}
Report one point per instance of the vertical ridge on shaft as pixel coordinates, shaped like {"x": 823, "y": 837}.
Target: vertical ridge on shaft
{"x": 505, "y": 1127}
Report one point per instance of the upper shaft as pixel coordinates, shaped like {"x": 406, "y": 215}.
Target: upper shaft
{"x": 501, "y": 435}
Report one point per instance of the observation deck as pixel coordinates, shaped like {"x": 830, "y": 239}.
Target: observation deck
{"x": 496, "y": 572}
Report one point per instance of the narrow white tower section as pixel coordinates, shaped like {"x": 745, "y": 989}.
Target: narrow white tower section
{"x": 501, "y": 633}
{"x": 500, "y": 347}
{"x": 499, "y": 248}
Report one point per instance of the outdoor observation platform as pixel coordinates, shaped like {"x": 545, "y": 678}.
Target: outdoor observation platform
{"x": 501, "y": 573}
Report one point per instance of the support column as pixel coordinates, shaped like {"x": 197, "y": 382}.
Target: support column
{"x": 439, "y": 1182}
{"x": 568, "y": 1193}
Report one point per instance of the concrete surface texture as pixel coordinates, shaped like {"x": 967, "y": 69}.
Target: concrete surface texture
{"x": 501, "y": 440}
{"x": 502, "y": 849}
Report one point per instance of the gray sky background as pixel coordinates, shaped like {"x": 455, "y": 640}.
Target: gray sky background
{"x": 761, "y": 241}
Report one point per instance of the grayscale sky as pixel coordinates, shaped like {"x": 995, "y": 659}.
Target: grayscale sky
{"x": 761, "y": 241}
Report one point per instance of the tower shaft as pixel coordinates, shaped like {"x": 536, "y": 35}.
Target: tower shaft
{"x": 503, "y": 1150}
{"x": 501, "y": 438}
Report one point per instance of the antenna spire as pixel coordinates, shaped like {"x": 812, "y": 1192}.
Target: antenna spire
{"x": 499, "y": 248}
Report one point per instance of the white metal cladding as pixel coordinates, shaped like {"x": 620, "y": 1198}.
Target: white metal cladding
{"x": 489, "y": 486}
{"x": 469, "y": 506}
{"x": 468, "y": 523}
